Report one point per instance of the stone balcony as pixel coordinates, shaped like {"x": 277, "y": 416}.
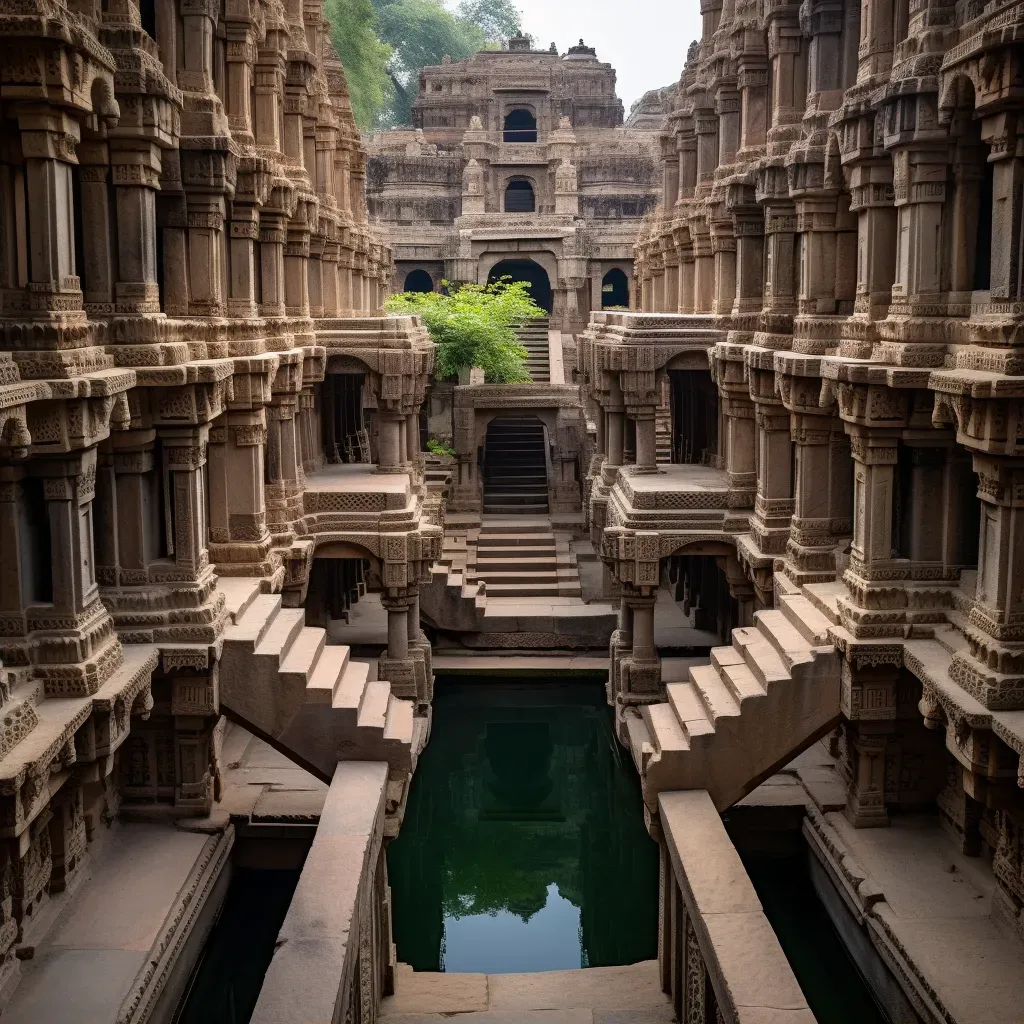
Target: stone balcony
{"x": 683, "y": 503}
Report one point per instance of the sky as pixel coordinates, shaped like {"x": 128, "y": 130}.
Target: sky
{"x": 644, "y": 40}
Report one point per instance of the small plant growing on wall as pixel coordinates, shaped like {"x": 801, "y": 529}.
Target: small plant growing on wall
{"x": 440, "y": 448}
{"x": 474, "y": 326}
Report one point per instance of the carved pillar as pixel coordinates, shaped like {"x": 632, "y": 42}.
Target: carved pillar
{"x": 98, "y": 273}
{"x": 135, "y": 166}
{"x": 48, "y": 141}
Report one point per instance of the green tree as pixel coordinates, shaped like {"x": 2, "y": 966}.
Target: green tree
{"x": 365, "y": 57}
{"x": 420, "y": 33}
{"x": 473, "y": 325}
{"x": 497, "y": 19}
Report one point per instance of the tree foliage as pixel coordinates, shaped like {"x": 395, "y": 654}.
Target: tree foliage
{"x": 384, "y": 44}
{"x": 498, "y": 20}
{"x": 473, "y": 325}
{"x": 420, "y": 32}
{"x": 365, "y": 57}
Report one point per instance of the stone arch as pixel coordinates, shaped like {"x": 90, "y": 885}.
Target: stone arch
{"x": 530, "y": 271}
{"x": 418, "y": 280}
{"x": 520, "y": 195}
{"x": 615, "y": 288}
{"x": 520, "y": 124}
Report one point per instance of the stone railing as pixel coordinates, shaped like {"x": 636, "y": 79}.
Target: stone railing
{"x": 333, "y": 959}
{"x": 720, "y": 960}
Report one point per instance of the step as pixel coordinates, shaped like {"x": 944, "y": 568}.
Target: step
{"x": 276, "y": 641}
{"x": 530, "y": 565}
{"x": 640, "y": 745}
{"x": 509, "y": 510}
{"x": 349, "y": 693}
{"x": 535, "y": 575}
{"x": 788, "y": 642}
{"x": 685, "y": 702}
{"x": 327, "y": 675}
{"x": 533, "y": 590}
{"x": 304, "y": 654}
{"x": 373, "y": 708}
{"x": 666, "y": 731}
{"x": 742, "y": 683}
{"x": 400, "y": 722}
{"x": 256, "y": 620}
{"x": 714, "y": 693}
{"x": 761, "y": 657}
{"x": 811, "y": 624}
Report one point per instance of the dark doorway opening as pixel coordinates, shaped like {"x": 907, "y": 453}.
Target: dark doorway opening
{"x": 520, "y": 197}
{"x": 344, "y": 433}
{"x": 615, "y": 289}
{"x": 694, "y": 416}
{"x": 418, "y": 281}
{"x": 520, "y": 126}
{"x": 532, "y": 273}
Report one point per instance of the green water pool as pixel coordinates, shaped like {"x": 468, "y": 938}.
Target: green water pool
{"x": 523, "y": 846}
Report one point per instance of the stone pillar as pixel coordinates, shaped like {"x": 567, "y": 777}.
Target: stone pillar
{"x": 723, "y": 245}
{"x": 995, "y": 675}
{"x": 127, "y": 534}
{"x": 48, "y": 141}
{"x": 272, "y": 240}
{"x": 78, "y": 650}
{"x": 921, "y": 277}
{"x": 296, "y": 280}
{"x": 748, "y": 229}
{"x": 774, "y": 505}
{"x": 390, "y": 431}
{"x": 205, "y": 252}
{"x": 135, "y": 167}
{"x": 780, "y": 270}
{"x": 738, "y": 414}
{"x": 245, "y": 233}
{"x": 398, "y": 632}
{"x": 98, "y": 273}
{"x": 616, "y": 431}
{"x": 184, "y": 451}
{"x": 1000, "y": 132}
{"x": 646, "y": 446}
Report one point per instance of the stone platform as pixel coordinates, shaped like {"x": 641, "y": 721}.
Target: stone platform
{"x": 597, "y": 995}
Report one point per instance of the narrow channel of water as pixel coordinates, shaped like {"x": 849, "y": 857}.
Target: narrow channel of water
{"x": 832, "y": 985}
{"x": 226, "y": 983}
{"x": 523, "y": 846}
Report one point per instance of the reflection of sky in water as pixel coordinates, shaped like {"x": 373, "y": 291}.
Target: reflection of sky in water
{"x": 503, "y": 943}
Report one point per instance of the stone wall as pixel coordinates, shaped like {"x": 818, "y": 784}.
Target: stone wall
{"x": 439, "y": 187}
{"x": 838, "y": 242}
{"x": 185, "y": 256}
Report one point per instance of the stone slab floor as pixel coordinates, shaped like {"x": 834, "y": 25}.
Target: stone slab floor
{"x": 598, "y": 995}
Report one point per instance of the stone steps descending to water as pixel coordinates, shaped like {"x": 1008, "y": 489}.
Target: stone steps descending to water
{"x": 596, "y": 995}
{"x": 526, "y": 561}
{"x": 310, "y": 700}
{"x": 754, "y": 707}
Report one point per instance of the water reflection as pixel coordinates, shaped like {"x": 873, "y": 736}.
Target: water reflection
{"x": 523, "y": 846}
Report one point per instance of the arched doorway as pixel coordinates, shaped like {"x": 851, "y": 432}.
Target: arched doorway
{"x": 615, "y": 289}
{"x": 520, "y": 126}
{"x": 526, "y": 270}
{"x": 418, "y": 281}
{"x": 520, "y": 197}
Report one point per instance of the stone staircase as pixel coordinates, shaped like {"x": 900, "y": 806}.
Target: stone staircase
{"x": 663, "y": 441}
{"x": 533, "y": 336}
{"x": 754, "y": 707}
{"x": 311, "y": 701}
{"x": 514, "y": 560}
{"x": 515, "y": 467}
